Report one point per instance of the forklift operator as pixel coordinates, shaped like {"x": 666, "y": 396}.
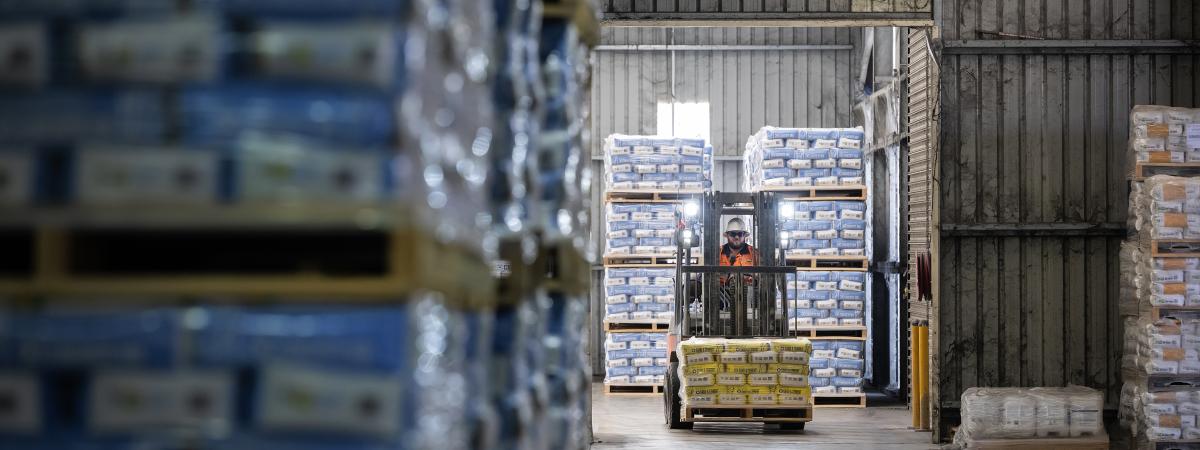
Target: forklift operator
{"x": 736, "y": 252}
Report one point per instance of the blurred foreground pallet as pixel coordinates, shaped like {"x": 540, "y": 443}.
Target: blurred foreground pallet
{"x": 256, "y": 262}
{"x": 840, "y": 400}
{"x": 749, "y": 413}
{"x": 1085, "y": 443}
{"x": 633, "y": 389}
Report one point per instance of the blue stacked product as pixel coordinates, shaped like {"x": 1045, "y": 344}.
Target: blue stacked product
{"x": 825, "y": 298}
{"x": 645, "y": 163}
{"x": 641, "y": 229}
{"x": 836, "y": 367}
{"x": 567, "y": 372}
{"x": 635, "y": 358}
{"x": 823, "y": 228}
{"x": 562, "y": 158}
{"x": 78, "y": 375}
{"x": 516, "y": 93}
{"x": 801, "y": 157}
{"x": 639, "y": 294}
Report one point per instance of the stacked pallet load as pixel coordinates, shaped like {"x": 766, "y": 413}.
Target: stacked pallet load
{"x": 819, "y": 177}
{"x": 1160, "y": 277}
{"x": 804, "y": 159}
{"x": 647, "y": 181}
{"x": 249, "y": 224}
{"x": 635, "y": 361}
{"x": 1042, "y": 417}
{"x": 732, "y": 379}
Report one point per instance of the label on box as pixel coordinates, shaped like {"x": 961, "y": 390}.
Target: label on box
{"x": 768, "y": 357}
{"x": 1193, "y": 135}
{"x": 642, "y": 362}
{"x": 300, "y": 399}
{"x": 619, "y": 362}
{"x": 148, "y": 401}
{"x": 704, "y": 379}
{"x": 731, "y": 379}
{"x": 794, "y": 357}
{"x": 845, "y": 353}
{"x": 22, "y": 412}
{"x": 763, "y": 379}
{"x": 793, "y": 379}
{"x": 643, "y": 150}
{"x": 700, "y": 358}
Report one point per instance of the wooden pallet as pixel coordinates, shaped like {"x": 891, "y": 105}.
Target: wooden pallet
{"x": 856, "y": 263}
{"x": 1084, "y": 443}
{"x": 1158, "y": 312}
{"x": 632, "y": 326}
{"x": 831, "y": 332}
{"x": 633, "y": 389}
{"x": 839, "y": 400}
{"x": 1181, "y": 444}
{"x": 651, "y": 196}
{"x": 264, "y": 262}
{"x": 818, "y": 193}
{"x": 645, "y": 260}
{"x": 1144, "y": 170}
{"x": 561, "y": 267}
{"x": 749, "y": 413}
{"x": 1175, "y": 248}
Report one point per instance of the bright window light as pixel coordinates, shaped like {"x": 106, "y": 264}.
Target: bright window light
{"x": 684, "y": 120}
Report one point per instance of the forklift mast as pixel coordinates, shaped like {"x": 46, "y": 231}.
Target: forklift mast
{"x": 734, "y": 302}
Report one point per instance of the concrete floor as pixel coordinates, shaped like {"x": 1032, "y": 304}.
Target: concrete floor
{"x": 627, "y": 422}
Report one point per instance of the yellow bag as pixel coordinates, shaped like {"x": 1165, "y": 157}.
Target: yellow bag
{"x": 746, "y": 368}
{"x": 792, "y": 345}
{"x": 790, "y": 368}
{"x": 699, "y": 369}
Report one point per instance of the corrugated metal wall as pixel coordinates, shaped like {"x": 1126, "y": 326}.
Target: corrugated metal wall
{"x": 745, "y": 90}
{"x": 765, "y": 5}
{"x": 1033, "y": 145}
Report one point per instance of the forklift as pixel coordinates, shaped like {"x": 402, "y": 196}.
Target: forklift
{"x": 715, "y": 301}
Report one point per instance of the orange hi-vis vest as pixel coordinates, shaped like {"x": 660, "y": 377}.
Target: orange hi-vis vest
{"x": 743, "y": 257}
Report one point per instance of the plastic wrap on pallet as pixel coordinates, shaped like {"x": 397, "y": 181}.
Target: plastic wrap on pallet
{"x": 1160, "y": 416}
{"x": 823, "y": 228}
{"x": 1167, "y": 346}
{"x": 1021, "y": 413}
{"x": 657, "y": 163}
{"x": 639, "y": 294}
{"x": 1163, "y": 134}
{"x": 744, "y": 372}
{"x": 837, "y": 366}
{"x": 640, "y": 229}
{"x": 800, "y": 157}
{"x": 1166, "y": 207}
{"x": 812, "y": 296}
{"x": 635, "y": 358}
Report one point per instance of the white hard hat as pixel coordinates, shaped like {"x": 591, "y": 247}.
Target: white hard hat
{"x": 735, "y": 224}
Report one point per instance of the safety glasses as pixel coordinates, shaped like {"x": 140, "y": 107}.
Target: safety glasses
{"x": 737, "y": 234}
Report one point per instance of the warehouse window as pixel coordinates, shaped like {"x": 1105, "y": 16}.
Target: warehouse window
{"x": 683, "y": 119}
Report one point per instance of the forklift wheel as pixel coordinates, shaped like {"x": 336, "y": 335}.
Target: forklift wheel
{"x": 671, "y": 401}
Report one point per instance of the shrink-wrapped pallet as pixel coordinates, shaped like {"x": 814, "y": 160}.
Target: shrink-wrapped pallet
{"x": 639, "y": 294}
{"x": 799, "y": 157}
{"x": 656, "y": 163}
{"x": 744, "y": 372}
{"x": 1026, "y": 413}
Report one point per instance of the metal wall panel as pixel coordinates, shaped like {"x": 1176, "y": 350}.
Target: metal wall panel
{"x": 745, "y": 89}
{"x": 1033, "y": 183}
{"x": 765, "y": 6}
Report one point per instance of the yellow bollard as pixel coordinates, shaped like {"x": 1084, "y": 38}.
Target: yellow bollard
{"x": 914, "y": 352}
{"x": 923, "y": 375}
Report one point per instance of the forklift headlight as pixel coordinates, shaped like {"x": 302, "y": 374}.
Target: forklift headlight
{"x": 787, "y": 209}
{"x": 687, "y": 237}
{"x": 691, "y": 209}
